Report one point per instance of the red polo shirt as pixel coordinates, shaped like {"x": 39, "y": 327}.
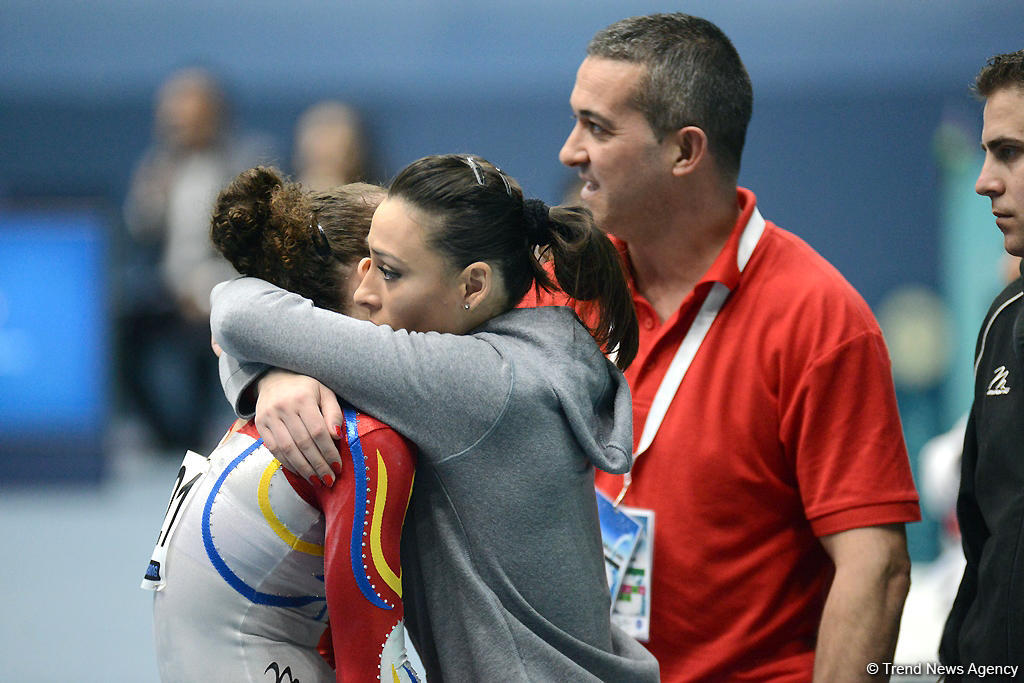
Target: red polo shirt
{"x": 784, "y": 429}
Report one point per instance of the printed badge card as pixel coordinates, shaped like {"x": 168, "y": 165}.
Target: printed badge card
{"x": 620, "y": 534}
{"x": 631, "y": 611}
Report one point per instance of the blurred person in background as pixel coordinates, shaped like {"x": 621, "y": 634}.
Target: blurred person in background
{"x": 264, "y": 568}
{"x": 330, "y": 146}
{"x": 986, "y": 623}
{"x": 168, "y": 375}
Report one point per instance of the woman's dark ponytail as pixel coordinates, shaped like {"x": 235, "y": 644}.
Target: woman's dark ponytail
{"x": 589, "y": 269}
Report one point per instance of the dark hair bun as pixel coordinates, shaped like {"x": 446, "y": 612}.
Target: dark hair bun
{"x": 261, "y": 223}
{"x": 242, "y": 217}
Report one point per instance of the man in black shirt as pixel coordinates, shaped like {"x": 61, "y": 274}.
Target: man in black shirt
{"x": 984, "y": 634}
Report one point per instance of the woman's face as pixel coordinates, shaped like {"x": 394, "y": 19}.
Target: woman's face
{"x": 406, "y": 284}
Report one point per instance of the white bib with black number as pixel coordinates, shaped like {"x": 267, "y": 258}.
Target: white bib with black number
{"x": 193, "y": 468}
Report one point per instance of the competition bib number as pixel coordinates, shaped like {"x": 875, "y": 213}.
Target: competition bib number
{"x": 193, "y": 468}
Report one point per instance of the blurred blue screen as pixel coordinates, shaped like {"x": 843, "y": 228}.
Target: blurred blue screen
{"x": 54, "y": 350}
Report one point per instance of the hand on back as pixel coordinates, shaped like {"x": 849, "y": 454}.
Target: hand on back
{"x": 299, "y": 419}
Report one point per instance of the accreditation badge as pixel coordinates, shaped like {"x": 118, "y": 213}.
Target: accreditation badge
{"x": 631, "y": 611}
{"x": 193, "y": 468}
{"x": 620, "y": 533}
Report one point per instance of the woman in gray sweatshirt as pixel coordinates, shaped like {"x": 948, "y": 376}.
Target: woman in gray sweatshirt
{"x": 511, "y": 409}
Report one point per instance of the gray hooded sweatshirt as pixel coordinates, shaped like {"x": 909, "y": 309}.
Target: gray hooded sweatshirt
{"x": 502, "y": 561}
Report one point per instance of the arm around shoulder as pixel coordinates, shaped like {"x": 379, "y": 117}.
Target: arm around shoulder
{"x": 414, "y": 381}
{"x": 240, "y": 314}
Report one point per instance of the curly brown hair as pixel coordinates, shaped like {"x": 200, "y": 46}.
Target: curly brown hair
{"x": 270, "y": 228}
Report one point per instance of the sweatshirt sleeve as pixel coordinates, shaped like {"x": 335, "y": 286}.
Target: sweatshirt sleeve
{"x": 238, "y": 380}
{"x": 442, "y": 391}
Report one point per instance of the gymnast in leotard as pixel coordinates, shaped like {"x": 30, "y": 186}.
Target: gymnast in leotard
{"x": 259, "y": 574}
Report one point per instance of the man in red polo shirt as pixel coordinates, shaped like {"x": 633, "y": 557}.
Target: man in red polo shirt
{"x": 769, "y": 446}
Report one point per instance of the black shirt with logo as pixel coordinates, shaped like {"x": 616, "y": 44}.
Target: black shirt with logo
{"x": 986, "y": 623}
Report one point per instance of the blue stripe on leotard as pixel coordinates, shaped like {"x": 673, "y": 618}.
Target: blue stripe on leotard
{"x": 359, "y": 519}
{"x": 221, "y": 566}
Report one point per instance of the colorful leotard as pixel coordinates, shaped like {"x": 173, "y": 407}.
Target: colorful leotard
{"x": 269, "y": 578}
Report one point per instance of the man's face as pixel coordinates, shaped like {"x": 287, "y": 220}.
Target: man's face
{"x": 1002, "y": 176}
{"x": 620, "y": 161}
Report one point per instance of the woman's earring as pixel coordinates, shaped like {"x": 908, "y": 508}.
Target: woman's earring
{"x": 466, "y": 306}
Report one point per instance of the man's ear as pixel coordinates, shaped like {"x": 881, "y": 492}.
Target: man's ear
{"x": 690, "y": 146}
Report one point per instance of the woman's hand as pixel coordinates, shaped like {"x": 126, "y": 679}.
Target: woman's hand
{"x": 299, "y": 418}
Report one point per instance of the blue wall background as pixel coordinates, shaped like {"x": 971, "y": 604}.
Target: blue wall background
{"x": 848, "y": 97}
